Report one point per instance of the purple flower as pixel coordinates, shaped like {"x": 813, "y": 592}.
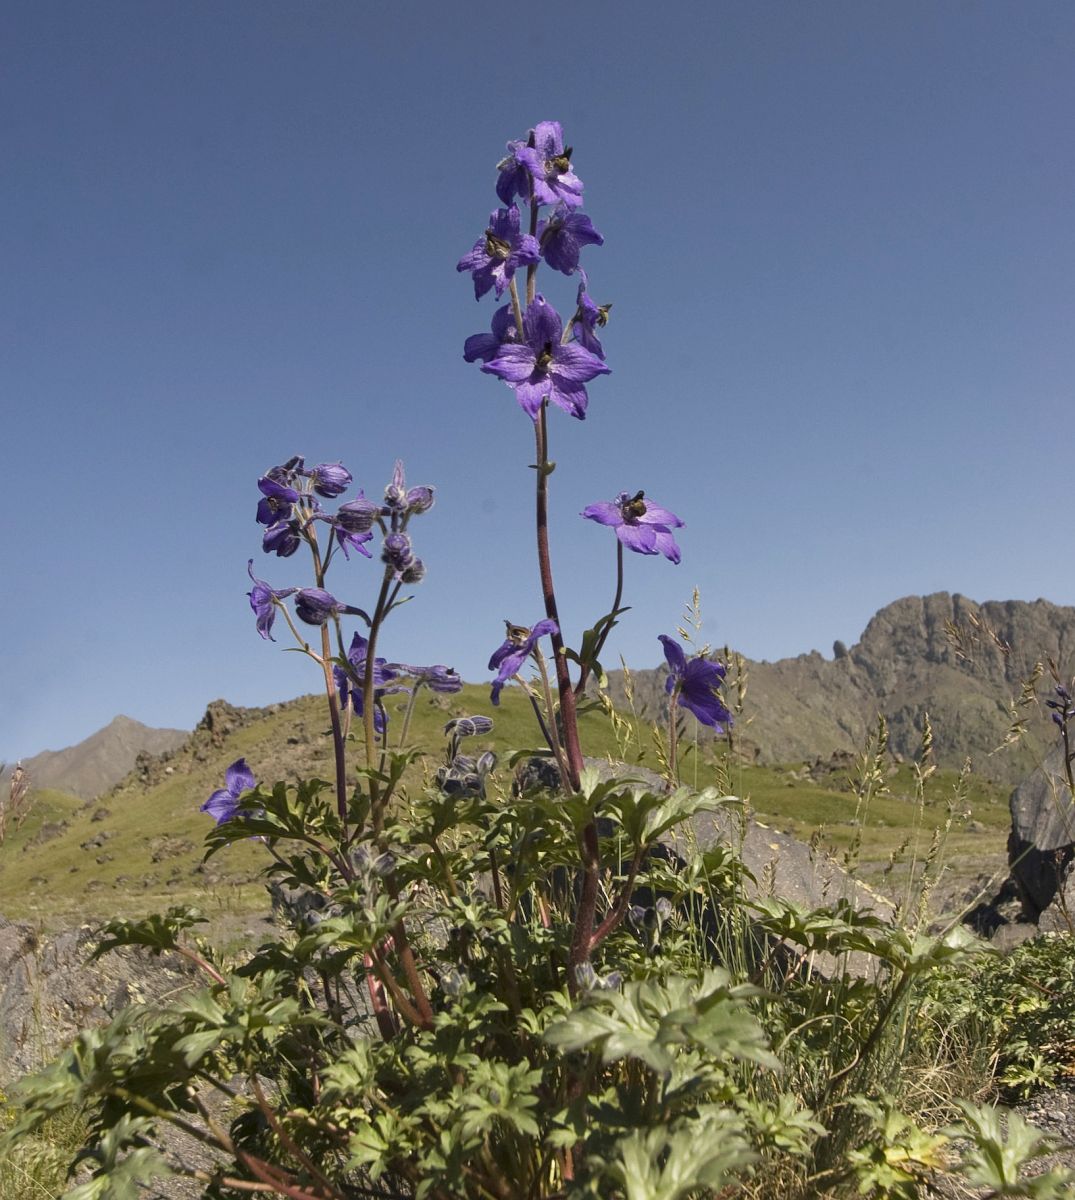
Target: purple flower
{"x": 437, "y": 678}
{"x": 588, "y": 318}
{"x": 330, "y": 479}
{"x": 498, "y": 253}
{"x": 694, "y": 685}
{"x": 276, "y": 502}
{"x": 541, "y": 368}
{"x": 349, "y": 683}
{"x": 315, "y": 606}
{"x": 281, "y": 539}
{"x": 640, "y": 524}
{"x": 223, "y": 805}
{"x": 562, "y": 237}
{"x": 513, "y": 178}
{"x": 263, "y": 601}
{"x": 487, "y": 345}
{"x": 549, "y": 163}
{"x": 515, "y": 650}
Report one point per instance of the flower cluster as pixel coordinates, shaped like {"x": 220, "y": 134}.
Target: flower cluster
{"x": 528, "y": 346}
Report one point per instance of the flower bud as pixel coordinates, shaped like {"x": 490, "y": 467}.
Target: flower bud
{"x": 330, "y": 479}
{"x": 315, "y": 606}
{"x": 463, "y": 727}
{"x": 358, "y": 516}
{"x": 396, "y": 551}
{"x": 415, "y": 573}
{"x": 419, "y": 499}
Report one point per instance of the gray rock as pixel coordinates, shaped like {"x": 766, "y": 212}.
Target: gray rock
{"x": 1042, "y": 838}
{"x": 49, "y": 991}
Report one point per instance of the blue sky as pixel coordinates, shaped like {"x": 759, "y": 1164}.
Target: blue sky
{"x": 838, "y": 242}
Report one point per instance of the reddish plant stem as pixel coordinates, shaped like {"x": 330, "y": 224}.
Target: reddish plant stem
{"x": 588, "y": 843}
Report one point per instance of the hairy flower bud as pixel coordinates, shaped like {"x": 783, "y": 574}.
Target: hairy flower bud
{"x": 415, "y": 573}
{"x": 315, "y": 606}
{"x": 330, "y": 479}
{"x": 358, "y": 516}
{"x": 462, "y": 727}
{"x": 396, "y": 551}
{"x": 419, "y": 499}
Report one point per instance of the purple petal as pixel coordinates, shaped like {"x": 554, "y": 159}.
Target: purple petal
{"x": 531, "y": 395}
{"x": 640, "y": 538}
{"x": 673, "y": 653}
{"x": 480, "y": 345}
{"x": 513, "y": 363}
{"x": 575, "y": 364}
{"x": 239, "y": 778}
{"x": 542, "y": 325}
{"x": 221, "y": 806}
{"x": 571, "y": 397}
{"x": 604, "y": 512}
{"x": 655, "y": 515}
{"x": 666, "y": 545}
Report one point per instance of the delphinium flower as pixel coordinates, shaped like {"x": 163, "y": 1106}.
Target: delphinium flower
{"x": 349, "y": 683}
{"x": 589, "y": 316}
{"x": 499, "y": 253}
{"x": 263, "y": 600}
{"x": 1063, "y": 707}
{"x": 694, "y": 685}
{"x": 282, "y": 539}
{"x": 223, "y": 804}
{"x": 541, "y": 367}
{"x": 549, "y": 162}
{"x": 562, "y": 236}
{"x": 514, "y": 651}
{"x": 276, "y": 503}
{"x": 640, "y": 524}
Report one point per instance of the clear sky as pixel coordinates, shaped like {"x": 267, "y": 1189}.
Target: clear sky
{"x": 838, "y": 241}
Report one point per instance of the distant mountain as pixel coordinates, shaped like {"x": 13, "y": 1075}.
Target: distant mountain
{"x": 102, "y": 760}
{"x": 960, "y": 661}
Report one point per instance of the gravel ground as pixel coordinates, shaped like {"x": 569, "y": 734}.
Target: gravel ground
{"x": 1051, "y": 1112}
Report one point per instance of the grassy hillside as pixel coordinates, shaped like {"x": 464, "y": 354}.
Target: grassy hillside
{"x": 140, "y": 846}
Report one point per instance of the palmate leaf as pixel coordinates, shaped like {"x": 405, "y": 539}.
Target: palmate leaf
{"x": 704, "y": 1152}
{"x": 645, "y": 816}
{"x": 649, "y": 1020}
{"x": 1003, "y": 1144}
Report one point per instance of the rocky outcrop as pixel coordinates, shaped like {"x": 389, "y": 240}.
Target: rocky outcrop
{"x": 960, "y": 661}
{"x": 50, "y": 991}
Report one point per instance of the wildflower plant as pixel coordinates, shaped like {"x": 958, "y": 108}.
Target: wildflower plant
{"x": 481, "y": 991}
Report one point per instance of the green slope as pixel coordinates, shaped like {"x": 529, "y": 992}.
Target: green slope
{"x": 140, "y": 846}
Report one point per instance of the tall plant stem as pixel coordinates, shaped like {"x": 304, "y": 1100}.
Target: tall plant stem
{"x": 339, "y": 746}
{"x": 582, "y": 936}
{"x": 568, "y": 718}
{"x": 369, "y": 708}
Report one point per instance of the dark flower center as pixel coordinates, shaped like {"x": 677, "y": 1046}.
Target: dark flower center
{"x": 561, "y": 164}
{"x": 496, "y": 247}
{"x": 635, "y": 507}
{"x": 517, "y": 634}
{"x": 544, "y": 358}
